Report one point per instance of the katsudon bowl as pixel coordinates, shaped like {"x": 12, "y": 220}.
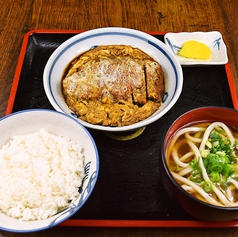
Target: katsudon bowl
{"x": 80, "y": 43}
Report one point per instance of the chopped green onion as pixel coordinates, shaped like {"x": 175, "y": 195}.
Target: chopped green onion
{"x": 196, "y": 173}
{"x": 220, "y": 159}
{"x": 205, "y": 153}
{"x": 214, "y": 136}
{"x": 205, "y": 162}
{"x": 220, "y": 153}
{"x": 193, "y": 164}
{"x": 216, "y": 167}
{"x": 227, "y": 170}
{"x": 207, "y": 186}
{"x": 215, "y": 177}
{"x": 215, "y": 144}
{"x": 208, "y": 145}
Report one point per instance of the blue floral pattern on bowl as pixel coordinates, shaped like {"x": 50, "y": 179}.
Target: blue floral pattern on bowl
{"x": 84, "y": 190}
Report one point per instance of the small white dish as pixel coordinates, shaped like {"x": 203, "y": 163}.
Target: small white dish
{"x": 212, "y": 39}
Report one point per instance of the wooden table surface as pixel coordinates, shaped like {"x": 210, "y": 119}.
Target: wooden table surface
{"x": 20, "y": 16}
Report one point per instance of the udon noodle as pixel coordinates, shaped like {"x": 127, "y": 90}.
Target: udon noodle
{"x": 203, "y": 159}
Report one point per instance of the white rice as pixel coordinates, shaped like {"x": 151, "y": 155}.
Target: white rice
{"x": 39, "y": 175}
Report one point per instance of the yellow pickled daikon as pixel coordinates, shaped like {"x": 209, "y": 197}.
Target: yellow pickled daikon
{"x": 195, "y": 49}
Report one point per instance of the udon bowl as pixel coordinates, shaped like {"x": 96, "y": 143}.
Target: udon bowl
{"x": 195, "y": 207}
{"x": 31, "y": 121}
{"x": 82, "y": 42}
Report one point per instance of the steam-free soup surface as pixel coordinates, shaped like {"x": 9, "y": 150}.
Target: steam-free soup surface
{"x": 203, "y": 159}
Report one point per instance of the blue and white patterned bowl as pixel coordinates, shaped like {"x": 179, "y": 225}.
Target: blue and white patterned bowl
{"x": 30, "y": 121}
{"x": 110, "y": 36}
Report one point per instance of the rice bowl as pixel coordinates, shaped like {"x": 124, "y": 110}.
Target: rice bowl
{"x": 75, "y": 173}
{"x": 33, "y": 187}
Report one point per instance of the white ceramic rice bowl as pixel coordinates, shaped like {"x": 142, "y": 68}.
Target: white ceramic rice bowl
{"x": 80, "y": 43}
{"x": 30, "y": 121}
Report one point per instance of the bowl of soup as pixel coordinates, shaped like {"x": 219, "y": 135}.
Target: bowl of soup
{"x": 199, "y": 163}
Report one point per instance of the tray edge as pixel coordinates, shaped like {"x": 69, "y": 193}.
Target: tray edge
{"x": 119, "y": 223}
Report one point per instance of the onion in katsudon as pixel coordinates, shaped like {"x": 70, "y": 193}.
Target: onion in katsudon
{"x": 113, "y": 85}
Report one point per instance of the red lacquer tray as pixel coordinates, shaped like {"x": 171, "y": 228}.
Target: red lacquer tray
{"x": 128, "y": 192}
